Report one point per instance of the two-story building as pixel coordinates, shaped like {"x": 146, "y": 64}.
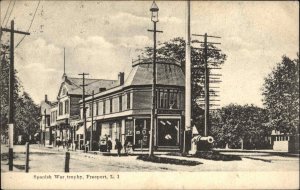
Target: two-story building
{"x": 123, "y": 112}
{"x": 66, "y": 109}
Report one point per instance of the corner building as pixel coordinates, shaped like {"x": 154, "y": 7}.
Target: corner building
{"x": 124, "y": 112}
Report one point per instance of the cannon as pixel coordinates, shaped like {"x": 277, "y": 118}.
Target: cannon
{"x": 200, "y": 143}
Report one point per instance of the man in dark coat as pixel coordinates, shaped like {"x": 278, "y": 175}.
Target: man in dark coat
{"x": 118, "y": 146}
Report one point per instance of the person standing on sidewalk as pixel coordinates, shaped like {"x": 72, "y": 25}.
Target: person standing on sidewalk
{"x": 118, "y": 146}
{"x": 109, "y": 145}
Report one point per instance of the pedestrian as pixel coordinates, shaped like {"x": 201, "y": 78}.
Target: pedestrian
{"x": 109, "y": 145}
{"x": 118, "y": 146}
{"x": 126, "y": 146}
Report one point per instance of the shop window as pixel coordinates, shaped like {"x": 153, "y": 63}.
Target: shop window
{"x": 168, "y": 132}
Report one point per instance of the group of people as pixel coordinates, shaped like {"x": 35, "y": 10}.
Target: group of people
{"x": 118, "y": 146}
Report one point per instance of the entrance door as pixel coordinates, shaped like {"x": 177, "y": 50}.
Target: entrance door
{"x": 142, "y": 128}
{"x": 168, "y": 132}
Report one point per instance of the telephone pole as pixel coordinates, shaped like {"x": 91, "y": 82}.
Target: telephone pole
{"x": 11, "y": 92}
{"x": 84, "y": 109}
{"x": 92, "y": 125}
{"x": 207, "y": 81}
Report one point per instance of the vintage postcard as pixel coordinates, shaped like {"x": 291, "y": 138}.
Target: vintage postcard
{"x": 149, "y": 94}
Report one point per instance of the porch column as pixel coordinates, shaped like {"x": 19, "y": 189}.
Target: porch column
{"x": 123, "y": 131}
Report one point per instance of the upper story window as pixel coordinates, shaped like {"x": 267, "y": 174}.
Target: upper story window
{"x": 128, "y": 100}
{"x": 110, "y": 105}
{"x": 64, "y": 91}
{"x": 97, "y": 108}
{"x": 60, "y": 108}
{"x": 103, "y": 107}
{"x": 90, "y": 109}
{"x": 67, "y": 107}
{"x": 173, "y": 103}
{"x": 168, "y": 99}
{"x": 120, "y": 103}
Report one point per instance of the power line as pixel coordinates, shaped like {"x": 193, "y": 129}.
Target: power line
{"x": 30, "y": 23}
{"x": 6, "y": 12}
{"x": 10, "y": 13}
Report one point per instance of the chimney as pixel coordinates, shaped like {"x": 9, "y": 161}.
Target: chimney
{"x": 46, "y": 98}
{"x": 121, "y": 78}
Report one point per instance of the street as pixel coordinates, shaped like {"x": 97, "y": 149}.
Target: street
{"x": 51, "y": 160}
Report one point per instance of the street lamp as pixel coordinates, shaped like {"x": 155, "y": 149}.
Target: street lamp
{"x": 154, "y": 18}
{"x": 154, "y": 12}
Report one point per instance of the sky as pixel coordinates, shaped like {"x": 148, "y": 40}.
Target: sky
{"x": 102, "y": 37}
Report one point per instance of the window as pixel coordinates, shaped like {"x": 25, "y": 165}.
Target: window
{"x": 66, "y": 106}
{"x": 128, "y": 100}
{"x": 110, "y": 105}
{"x": 64, "y": 91}
{"x": 60, "y": 108}
{"x": 173, "y": 100}
{"x": 103, "y": 107}
{"x": 168, "y": 99}
{"x": 120, "y": 103}
{"x": 97, "y": 108}
{"x": 90, "y": 109}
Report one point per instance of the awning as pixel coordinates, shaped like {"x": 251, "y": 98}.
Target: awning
{"x": 76, "y": 123}
{"x": 81, "y": 128}
{"x": 62, "y": 122}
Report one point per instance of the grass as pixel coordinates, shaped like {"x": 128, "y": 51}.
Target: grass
{"x": 212, "y": 155}
{"x": 209, "y": 155}
{"x": 164, "y": 160}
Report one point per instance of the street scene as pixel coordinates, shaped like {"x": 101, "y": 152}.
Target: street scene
{"x": 149, "y": 86}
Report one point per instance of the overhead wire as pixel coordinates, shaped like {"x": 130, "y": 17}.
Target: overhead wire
{"x": 6, "y": 12}
{"x": 10, "y": 13}
{"x": 30, "y": 23}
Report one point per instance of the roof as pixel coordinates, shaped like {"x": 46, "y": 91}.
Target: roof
{"x": 74, "y": 88}
{"x": 168, "y": 72}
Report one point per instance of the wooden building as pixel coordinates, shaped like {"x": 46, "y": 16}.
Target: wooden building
{"x": 123, "y": 111}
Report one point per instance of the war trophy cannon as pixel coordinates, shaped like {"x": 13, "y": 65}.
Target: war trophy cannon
{"x": 201, "y": 143}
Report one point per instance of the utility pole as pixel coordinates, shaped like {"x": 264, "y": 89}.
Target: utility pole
{"x": 207, "y": 81}
{"x": 188, "y": 80}
{"x": 11, "y": 92}
{"x": 84, "y": 109}
{"x": 92, "y": 126}
{"x": 154, "y": 10}
{"x": 206, "y": 112}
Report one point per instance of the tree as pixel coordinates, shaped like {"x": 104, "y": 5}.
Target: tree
{"x": 281, "y": 95}
{"x": 175, "y": 49}
{"x": 26, "y": 111}
{"x": 234, "y": 124}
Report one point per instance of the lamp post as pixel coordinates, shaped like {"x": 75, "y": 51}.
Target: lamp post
{"x": 154, "y": 18}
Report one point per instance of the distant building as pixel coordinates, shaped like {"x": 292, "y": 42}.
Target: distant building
{"x": 45, "y": 129}
{"x": 285, "y": 142}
